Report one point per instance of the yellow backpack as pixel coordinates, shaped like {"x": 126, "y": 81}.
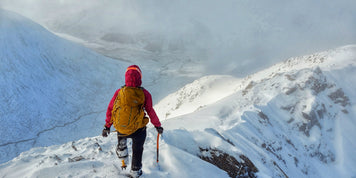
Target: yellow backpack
{"x": 128, "y": 115}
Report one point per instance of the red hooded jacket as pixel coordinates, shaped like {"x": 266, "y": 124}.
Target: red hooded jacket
{"x": 133, "y": 77}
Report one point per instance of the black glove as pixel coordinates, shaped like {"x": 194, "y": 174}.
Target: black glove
{"x": 159, "y": 130}
{"x": 106, "y": 131}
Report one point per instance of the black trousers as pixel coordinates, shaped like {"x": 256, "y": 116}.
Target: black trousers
{"x": 138, "y": 139}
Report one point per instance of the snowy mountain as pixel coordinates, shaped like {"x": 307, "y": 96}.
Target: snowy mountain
{"x": 294, "y": 119}
{"x": 51, "y": 90}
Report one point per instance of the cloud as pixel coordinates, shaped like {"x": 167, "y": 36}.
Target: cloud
{"x": 244, "y": 35}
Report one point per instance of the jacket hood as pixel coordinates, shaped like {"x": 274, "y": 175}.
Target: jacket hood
{"x": 133, "y": 76}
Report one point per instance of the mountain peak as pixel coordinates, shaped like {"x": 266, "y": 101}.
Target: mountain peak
{"x": 289, "y": 113}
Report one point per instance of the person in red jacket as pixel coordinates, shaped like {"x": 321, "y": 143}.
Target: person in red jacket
{"x": 133, "y": 78}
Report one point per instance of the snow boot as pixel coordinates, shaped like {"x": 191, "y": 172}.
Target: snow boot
{"x": 135, "y": 174}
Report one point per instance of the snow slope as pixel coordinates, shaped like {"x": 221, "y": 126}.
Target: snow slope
{"x": 294, "y": 119}
{"x": 51, "y": 90}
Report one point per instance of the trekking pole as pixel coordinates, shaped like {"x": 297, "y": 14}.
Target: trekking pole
{"x": 157, "y": 146}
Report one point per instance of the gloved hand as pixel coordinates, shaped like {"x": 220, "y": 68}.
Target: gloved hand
{"x": 159, "y": 130}
{"x": 106, "y": 131}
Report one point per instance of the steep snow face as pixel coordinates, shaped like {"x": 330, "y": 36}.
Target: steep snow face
{"x": 51, "y": 90}
{"x": 294, "y": 119}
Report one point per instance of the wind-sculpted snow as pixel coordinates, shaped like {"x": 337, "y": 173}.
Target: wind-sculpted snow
{"x": 51, "y": 91}
{"x": 293, "y": 119}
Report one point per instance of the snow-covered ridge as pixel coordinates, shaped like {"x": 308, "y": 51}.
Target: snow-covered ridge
{"x": 296, "y": 116}
{"x": 96, "y": 157}
{"x": 195, "y": 95}
{"x": 210, "y": 89}
{"x": 45, "y": 85}
{"x": 294, "y": 119}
